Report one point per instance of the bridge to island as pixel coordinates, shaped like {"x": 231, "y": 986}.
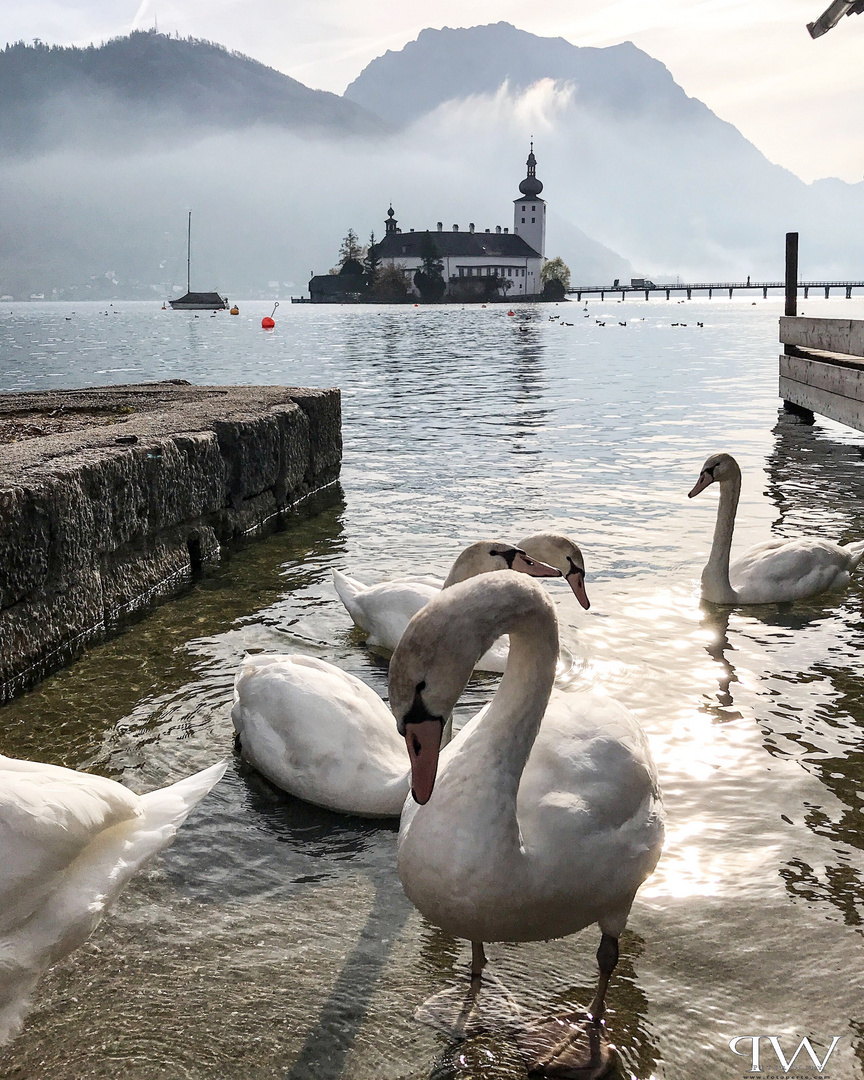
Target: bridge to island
{"x": 710, "y": 287}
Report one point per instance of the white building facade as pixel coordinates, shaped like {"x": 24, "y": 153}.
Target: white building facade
{"x": 476, "y": 264}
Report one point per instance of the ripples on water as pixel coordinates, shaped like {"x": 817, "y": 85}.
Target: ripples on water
{"x": 273, "y": 938}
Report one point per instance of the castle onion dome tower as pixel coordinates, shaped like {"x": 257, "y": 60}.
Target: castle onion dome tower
{"x": 529, "y": 210}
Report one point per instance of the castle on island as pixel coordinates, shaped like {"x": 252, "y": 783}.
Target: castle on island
{"x": 475, "y": 265}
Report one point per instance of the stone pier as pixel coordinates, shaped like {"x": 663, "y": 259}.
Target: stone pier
{"x": 112, "y": 500}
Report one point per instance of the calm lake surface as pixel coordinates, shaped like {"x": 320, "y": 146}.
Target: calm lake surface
{"x": 273, "y": 939}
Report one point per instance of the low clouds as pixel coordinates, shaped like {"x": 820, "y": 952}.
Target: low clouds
{"x": 751, "y": 61}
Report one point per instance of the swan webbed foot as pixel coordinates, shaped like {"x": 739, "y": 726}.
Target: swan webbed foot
{"x": 568, "y": 1047}
{"x": 461, "y": 1012}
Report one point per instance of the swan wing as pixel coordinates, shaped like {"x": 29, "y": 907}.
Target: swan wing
{"x": 321, "y": 734}
{"x": 782, "y": 570}
{"x": 589, "y": 804}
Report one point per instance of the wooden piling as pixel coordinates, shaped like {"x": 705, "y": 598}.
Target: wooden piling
{"x": 791, "y": 273}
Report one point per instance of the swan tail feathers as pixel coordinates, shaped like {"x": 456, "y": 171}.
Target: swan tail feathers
{"x": 347, "y": 589}
{"x": 170, "y": 806}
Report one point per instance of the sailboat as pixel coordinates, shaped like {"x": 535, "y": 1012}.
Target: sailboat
{"x": 196, "y": 301}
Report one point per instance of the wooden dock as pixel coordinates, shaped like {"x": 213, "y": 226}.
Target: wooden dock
{"x": 822, "y": 368}
{"x": 822, "y": 364}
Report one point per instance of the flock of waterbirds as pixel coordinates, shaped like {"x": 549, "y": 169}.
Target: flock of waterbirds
{"x": 541, "y": 816}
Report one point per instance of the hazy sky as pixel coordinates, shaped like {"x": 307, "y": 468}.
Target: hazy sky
{"x": 752, "y": 61}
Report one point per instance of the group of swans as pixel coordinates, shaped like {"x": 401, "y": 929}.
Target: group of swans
{"x": 69, "y": 842}
{"x": 322, "y": 734}
{"x": 385, "y": 609}
{"x": 541, "y": 816}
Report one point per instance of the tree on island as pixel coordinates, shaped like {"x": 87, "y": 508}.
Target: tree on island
{"x": 555, "y": 278}
{"x": 390, "y": 283}
{"x": 351, "y": 255}
{"x": 372, "y": 262}
{"x": 429, "y": 279}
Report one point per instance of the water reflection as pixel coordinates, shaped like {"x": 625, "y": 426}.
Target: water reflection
{"x": 715, "y": 620}
{"x": 285, "y": 927}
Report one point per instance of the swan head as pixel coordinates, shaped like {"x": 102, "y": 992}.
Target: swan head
{"x": 718, "y": 467}
{"x": 436, "y": 654}
{"x": 485, "y": 556}
{"x": 562, "y": 552}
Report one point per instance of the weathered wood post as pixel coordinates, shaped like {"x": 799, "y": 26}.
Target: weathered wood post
{"x": 792, "y": 309}
{"x": 791, "y": 273}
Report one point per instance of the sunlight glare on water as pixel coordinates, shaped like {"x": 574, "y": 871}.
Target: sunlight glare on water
{"x": 273, "y": 939}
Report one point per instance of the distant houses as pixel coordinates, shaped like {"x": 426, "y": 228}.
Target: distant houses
{"x": 469, "y": 265}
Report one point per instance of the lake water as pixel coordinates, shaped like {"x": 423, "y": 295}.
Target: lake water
{"x": 273, "y": 939}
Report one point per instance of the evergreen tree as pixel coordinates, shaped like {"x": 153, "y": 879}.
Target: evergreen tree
{"x": 429, "y": 278}
{"x": 351, "y": 249}
{"x": 372, "y": 262}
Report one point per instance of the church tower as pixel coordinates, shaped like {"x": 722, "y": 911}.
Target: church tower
{"x": 529, "y": 210}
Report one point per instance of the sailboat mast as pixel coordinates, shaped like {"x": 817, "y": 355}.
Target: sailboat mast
{"x": 189, "y": 253}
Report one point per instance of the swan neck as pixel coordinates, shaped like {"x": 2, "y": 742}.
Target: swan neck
{"x": 716, "y": 586}
{"x": 511, "y": 725}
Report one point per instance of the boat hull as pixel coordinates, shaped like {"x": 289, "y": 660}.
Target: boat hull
{"x": 199, "y": 302}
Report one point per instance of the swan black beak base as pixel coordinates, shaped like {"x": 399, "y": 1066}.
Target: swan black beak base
{"x": 423, "y": 740}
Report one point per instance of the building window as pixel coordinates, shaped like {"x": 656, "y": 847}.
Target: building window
{"x": 461, "y": 271}
{"x": 523, "y": 220}
{"x": 523, "y": 207}
{"x": 533, "y": 207}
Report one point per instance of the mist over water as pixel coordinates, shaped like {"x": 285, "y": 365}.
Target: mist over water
{"x": 273, "y": 939}
{"x": 101, "y": 212}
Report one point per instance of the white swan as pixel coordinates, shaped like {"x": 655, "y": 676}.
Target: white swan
{"x": 774, "y": 571}
{"x": 319, "y": 733}
{"x": 523, "y": 831}
{"x": 385, "y": 609}
{"x": 69, "y": 842}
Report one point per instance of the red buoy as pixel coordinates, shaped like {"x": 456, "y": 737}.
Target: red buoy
{"x": 511, "y": 312}
{"x": 267, "y": 322}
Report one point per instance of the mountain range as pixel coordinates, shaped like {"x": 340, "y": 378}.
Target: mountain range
{"x": 104, "y": 148}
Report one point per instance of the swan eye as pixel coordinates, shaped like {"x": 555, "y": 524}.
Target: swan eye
{"x": 574, "y": 569}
